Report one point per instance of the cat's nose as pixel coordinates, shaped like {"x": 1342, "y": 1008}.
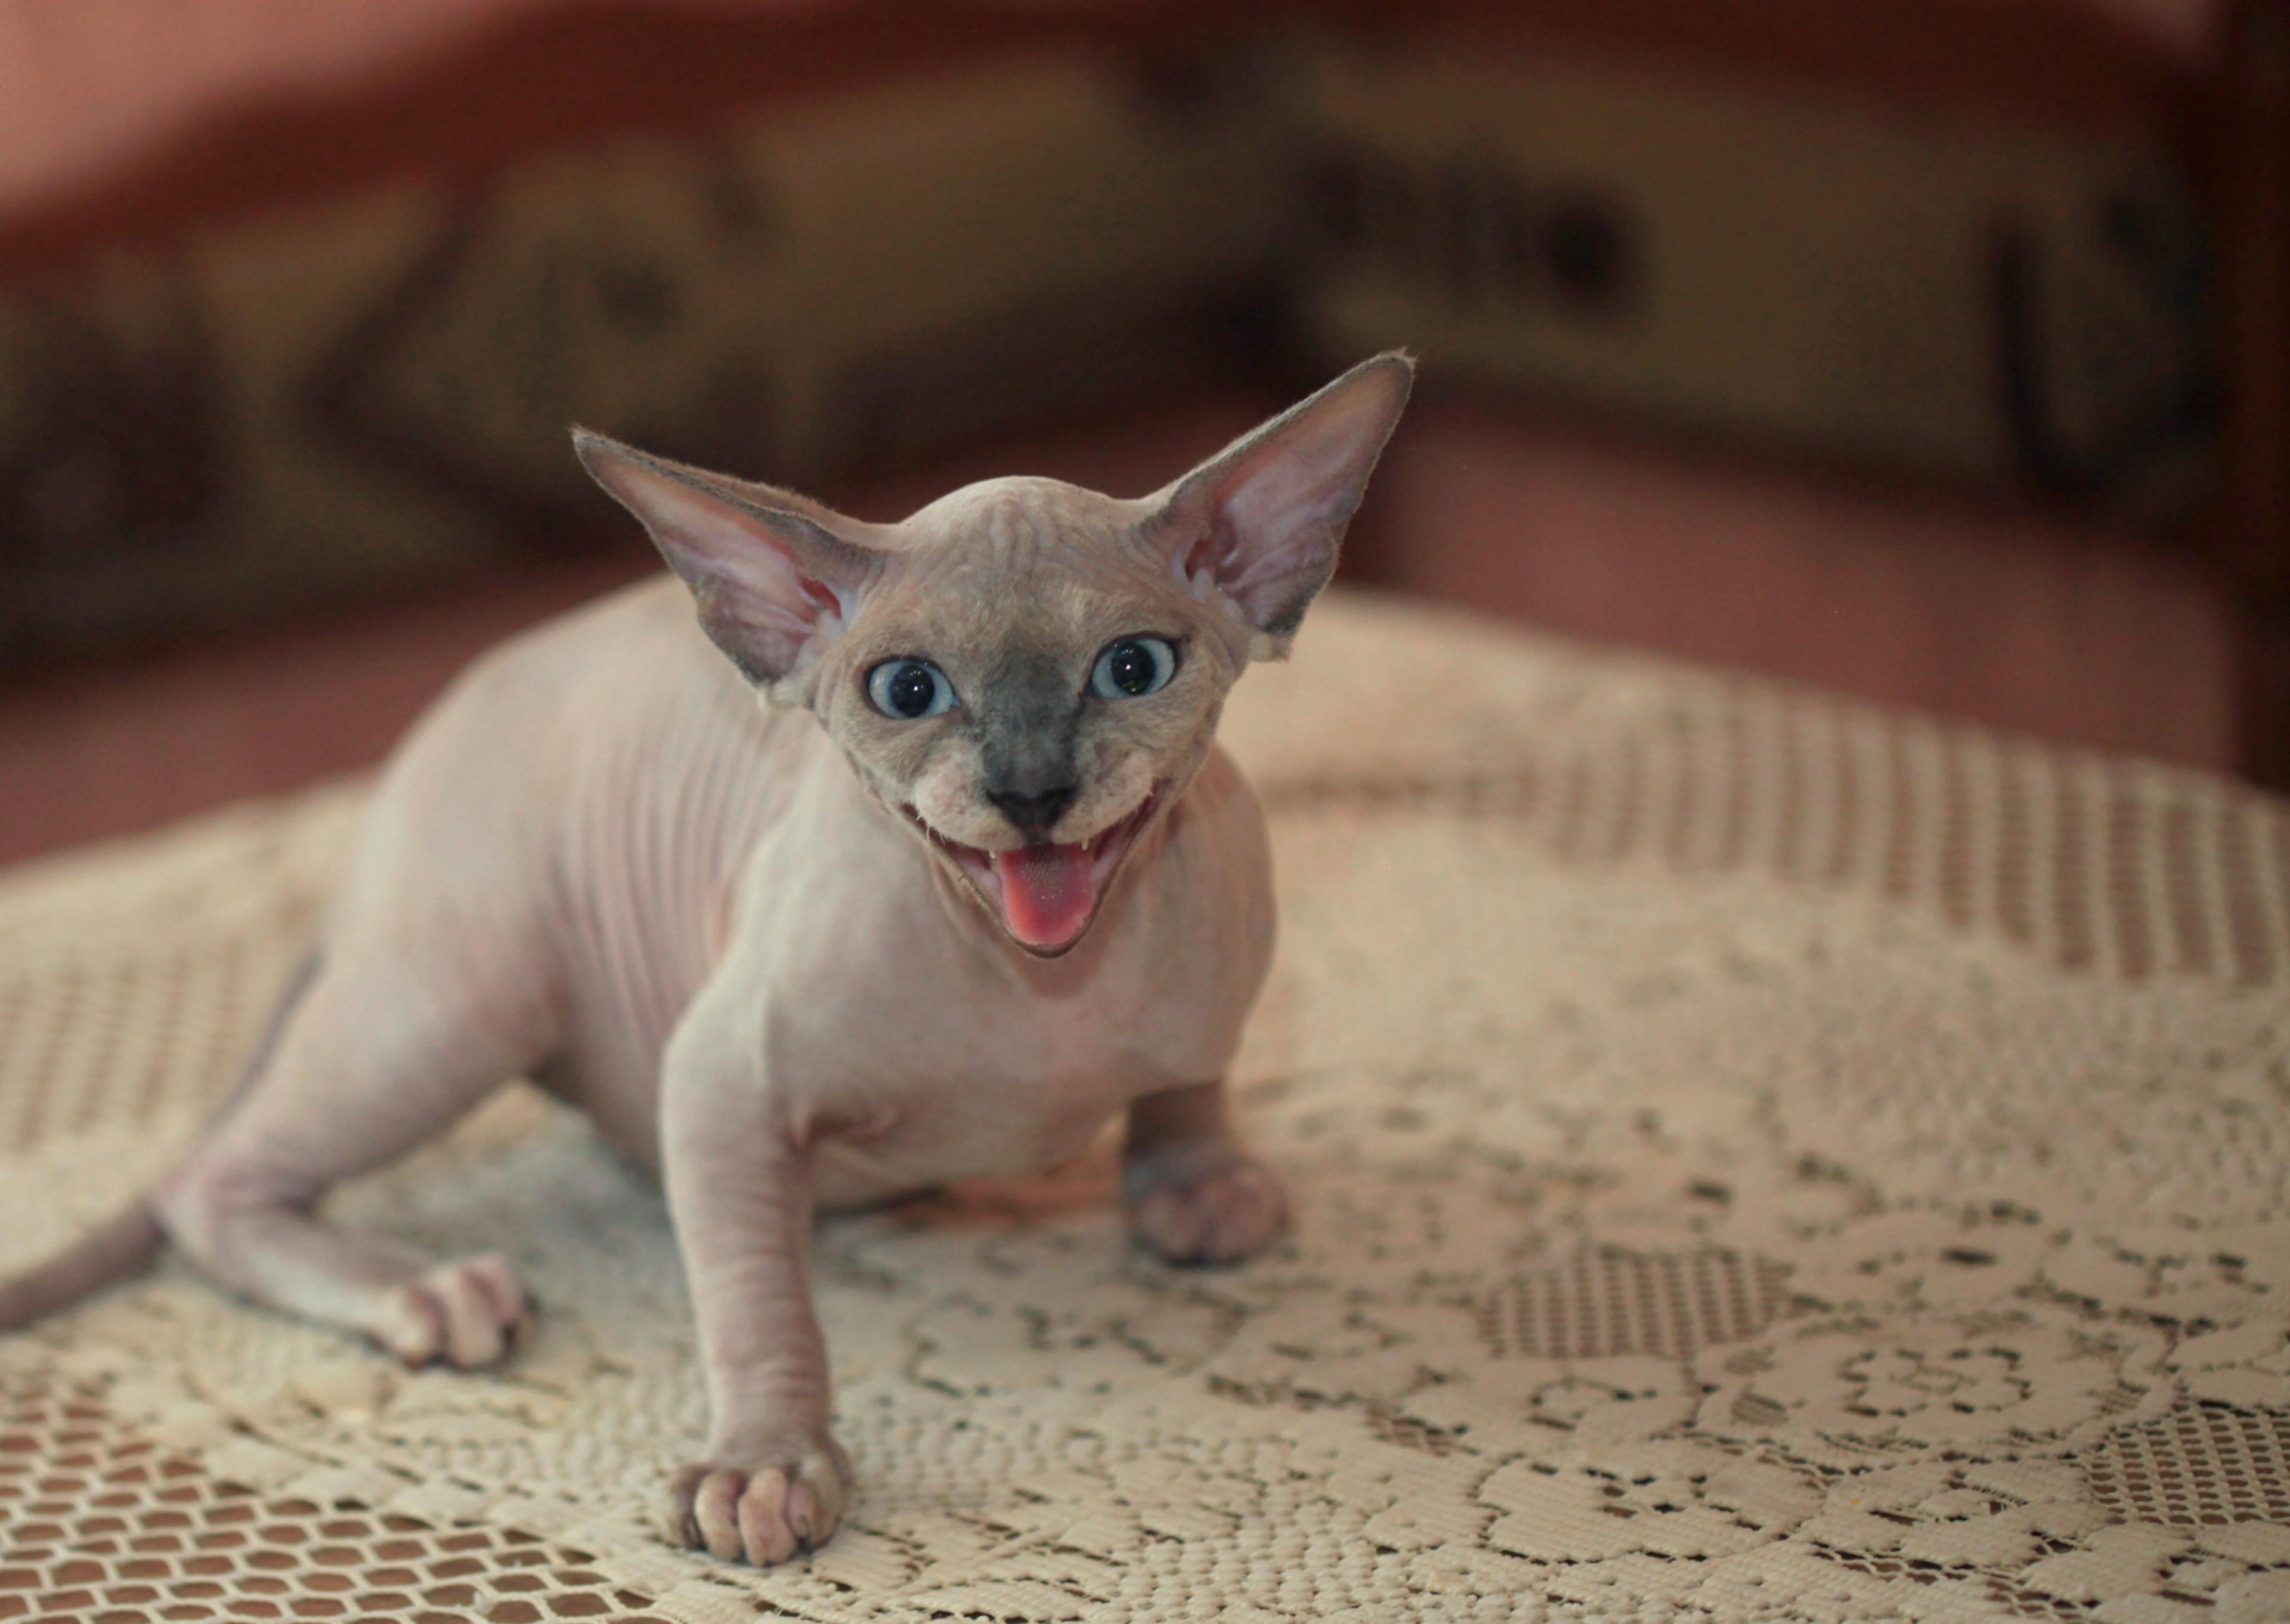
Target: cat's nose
{"x": 1034, "y": 814}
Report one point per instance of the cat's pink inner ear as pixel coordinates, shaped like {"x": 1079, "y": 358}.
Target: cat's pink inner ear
{"x": 1269, "y": 513}
{"x": 766, "y": 582}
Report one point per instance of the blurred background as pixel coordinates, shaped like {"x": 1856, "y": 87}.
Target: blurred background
{"x": 1929, "y": 350}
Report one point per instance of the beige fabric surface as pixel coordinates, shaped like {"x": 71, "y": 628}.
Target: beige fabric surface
{"x": 1754, "y": 1157}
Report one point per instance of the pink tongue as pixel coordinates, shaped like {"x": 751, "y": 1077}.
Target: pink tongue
{"x": 1047, "y": 892}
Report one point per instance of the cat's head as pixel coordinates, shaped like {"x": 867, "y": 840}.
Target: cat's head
{"x": 1028, "y": 673}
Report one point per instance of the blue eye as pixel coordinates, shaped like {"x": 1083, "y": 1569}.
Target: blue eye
{"x": 1134, "y": 667}
{"x": 909, "y": 688}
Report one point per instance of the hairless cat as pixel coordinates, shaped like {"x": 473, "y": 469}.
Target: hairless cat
{"x": 997, "y": 886}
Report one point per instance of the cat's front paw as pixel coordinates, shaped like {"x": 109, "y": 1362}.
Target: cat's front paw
{"x": 1192, "y": 1207}
{"x": 760, "y": 1506}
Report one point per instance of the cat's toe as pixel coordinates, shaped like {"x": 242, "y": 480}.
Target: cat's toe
{"x": 466, "y": 1313}
{"x": 1230, "y": 1210}
{"x": 761, "y": 1512}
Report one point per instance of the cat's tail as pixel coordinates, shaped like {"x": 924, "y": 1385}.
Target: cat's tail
{"x": 123, "y": 1244}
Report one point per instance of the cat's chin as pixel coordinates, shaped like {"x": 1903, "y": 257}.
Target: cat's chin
{"x": 1044, "y": 898}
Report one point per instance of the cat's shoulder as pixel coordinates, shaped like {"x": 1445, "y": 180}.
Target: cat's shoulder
{"x": 641, "y": 636}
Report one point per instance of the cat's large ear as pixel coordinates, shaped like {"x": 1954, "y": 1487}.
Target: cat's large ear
{"x": 773, "y": 580}
{"x": 1258, "y": 524}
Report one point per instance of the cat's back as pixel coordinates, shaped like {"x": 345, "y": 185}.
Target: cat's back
{"x": 612, "y": 737}
{"x": 580, "y": 701}
{"x": 619, "y": 662}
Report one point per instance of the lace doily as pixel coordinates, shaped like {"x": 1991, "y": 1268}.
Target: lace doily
{"x": 1754, "y": 1157}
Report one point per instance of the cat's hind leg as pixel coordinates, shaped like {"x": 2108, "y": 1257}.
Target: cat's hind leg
{"x": 383, "y": 1049}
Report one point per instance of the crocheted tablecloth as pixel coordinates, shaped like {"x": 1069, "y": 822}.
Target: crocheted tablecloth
{"x": 1754, "y": 1157}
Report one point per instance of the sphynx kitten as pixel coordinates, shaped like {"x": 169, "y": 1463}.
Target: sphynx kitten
{"x": 998, "y": 884}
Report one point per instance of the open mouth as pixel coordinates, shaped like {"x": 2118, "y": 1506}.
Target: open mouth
{"x": 1044, "y": 896}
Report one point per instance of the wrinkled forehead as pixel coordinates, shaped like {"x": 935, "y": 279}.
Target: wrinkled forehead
{"x": 1022, "y": 560}
{"x": 1017, "y": 526}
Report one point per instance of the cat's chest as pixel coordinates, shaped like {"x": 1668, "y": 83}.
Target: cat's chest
{"x": 894, "y": 1025}
{"x": 995, "y": 1088}
{"x": 921, "y": 1070}
{"x": 924, "y": 1046}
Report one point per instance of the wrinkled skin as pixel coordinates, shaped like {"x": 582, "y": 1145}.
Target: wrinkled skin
{"x": 805, "y": 952}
